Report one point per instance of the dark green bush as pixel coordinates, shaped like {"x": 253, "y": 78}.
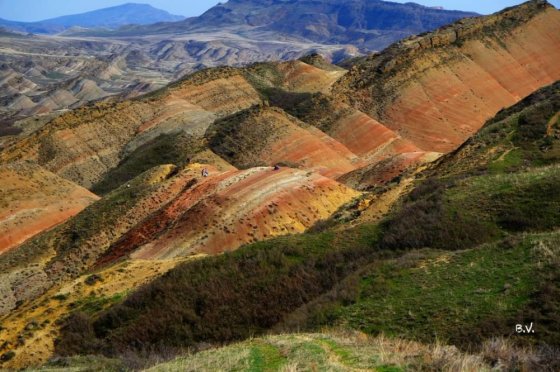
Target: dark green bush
{"x": 225, "y": 298}
{"x": 425, "y": 220}
{"x": 92, "y": 279}
{"x": 9, "y": 355}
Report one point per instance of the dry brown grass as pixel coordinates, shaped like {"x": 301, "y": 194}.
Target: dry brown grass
{"x": 330, "y": 351}
{"x": 30, "y": 331}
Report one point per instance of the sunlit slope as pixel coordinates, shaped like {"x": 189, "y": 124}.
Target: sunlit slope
{"x": 229, "y": 209}
{"x": 33, "y": 199}
{"x": 438, "y": 89}
{"x": 83, "y": 145}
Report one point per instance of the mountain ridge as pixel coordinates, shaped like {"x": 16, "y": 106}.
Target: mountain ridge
{"x": 405, "y": 81}
{"x": 369, "y": 25}
{"x": 111, "y": 17}
{"x": 135, "y": 59}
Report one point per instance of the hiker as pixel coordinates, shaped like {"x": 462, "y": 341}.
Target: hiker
{"x": 205, "y": 172}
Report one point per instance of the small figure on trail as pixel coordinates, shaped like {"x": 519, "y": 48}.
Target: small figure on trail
{"x": 205, "y": 172}
{"x": 276, "y": 167}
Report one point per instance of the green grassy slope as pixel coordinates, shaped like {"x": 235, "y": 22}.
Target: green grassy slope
{"x": 327, "y": 351}
{"x": 522, "y": 136}
{"x": 501, "y": 181}
{"x": 492, "y": 268}
{"x": 458, "y": 213}
{"x": 461, "y": 297}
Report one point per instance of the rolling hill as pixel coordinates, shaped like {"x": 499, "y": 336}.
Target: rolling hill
{"x": 408, "y": 183}
{"x": 467, "y": 247}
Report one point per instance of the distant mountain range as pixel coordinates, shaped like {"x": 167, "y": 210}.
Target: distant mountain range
{"x": 239, "y": 32}
{"x": 367, "y": 24}
{"x": 108, "y": 18}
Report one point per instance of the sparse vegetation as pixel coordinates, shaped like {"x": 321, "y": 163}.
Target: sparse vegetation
{"x": 241, "y": 138}
{"x": 318, "y": 109}
{"x": 337, "y": 350}
{"x": 84, "y": 364}
{"x": 174, "y": 149}
{"x": 61, "y": 297}
{"x": 95, "y": 304}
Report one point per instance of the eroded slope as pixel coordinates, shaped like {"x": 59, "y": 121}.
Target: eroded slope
{"x": 83, "y": 145}
{"x": 438, "y": 89}
{"x": 33, "y": 199}
{"x": 269, "y": 136}
{"x": 228, "y": 209}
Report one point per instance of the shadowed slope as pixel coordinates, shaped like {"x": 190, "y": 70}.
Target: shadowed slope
{"x": 268, "y": 136}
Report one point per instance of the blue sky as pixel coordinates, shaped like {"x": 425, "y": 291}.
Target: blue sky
{"x": 33, "y": 10}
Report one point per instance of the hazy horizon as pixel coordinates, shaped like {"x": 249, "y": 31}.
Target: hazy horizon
{"x": 37, "y": 10}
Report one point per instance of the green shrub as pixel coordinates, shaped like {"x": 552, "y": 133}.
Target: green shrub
{"x": 224, "y": 298}
{"x": 7, "y": 356}
{"x": 93, "y": 279}
{"x": 426, "y": 220}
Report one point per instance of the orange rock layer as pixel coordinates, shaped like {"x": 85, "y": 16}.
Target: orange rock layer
{"x": 447, "y": 104}
{"x": 33, "y": 200}
{"x": 229, "y": 209}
